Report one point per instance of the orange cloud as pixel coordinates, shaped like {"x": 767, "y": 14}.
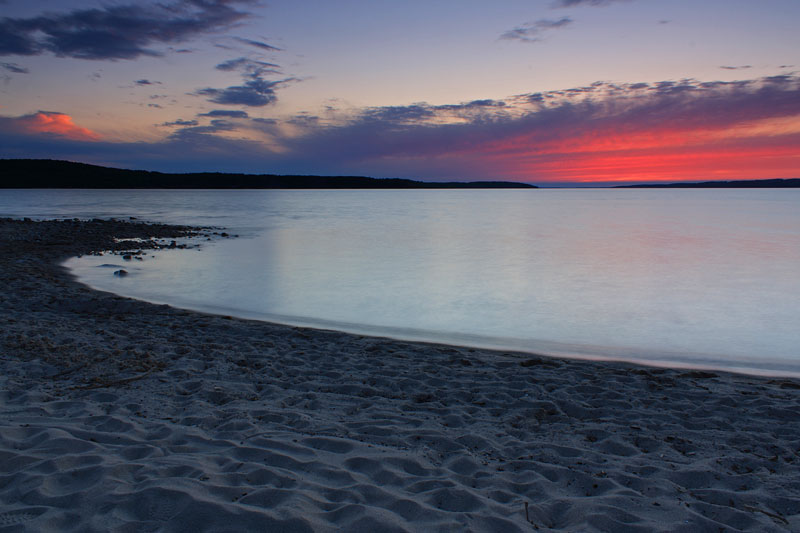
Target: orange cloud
{"x": 57, "y": 123}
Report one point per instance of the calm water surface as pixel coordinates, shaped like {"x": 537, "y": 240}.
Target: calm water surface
{"x": 677, "y": 277}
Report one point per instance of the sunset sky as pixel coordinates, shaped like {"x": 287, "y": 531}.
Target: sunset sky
{"x": 547, "y": 92}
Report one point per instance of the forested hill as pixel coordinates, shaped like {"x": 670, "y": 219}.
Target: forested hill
{"x": 50, "y": 174}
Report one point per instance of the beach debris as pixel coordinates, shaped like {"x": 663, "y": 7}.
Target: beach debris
{"x": 698, "y": 374}
{"x": 539, "y": 362}
{"x": 423, "y": 398}
{"x": 776, "y": 517}
{"x": 785, "y": 384}
{"x": 100, "y": 383}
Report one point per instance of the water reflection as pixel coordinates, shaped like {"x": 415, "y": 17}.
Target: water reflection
{"x": 675, "y": 274}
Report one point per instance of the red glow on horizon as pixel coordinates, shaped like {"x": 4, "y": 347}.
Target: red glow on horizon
{"x": 59, "y": 124}
{"x": 708, "y": 165}
{"x": 657, "y": 154}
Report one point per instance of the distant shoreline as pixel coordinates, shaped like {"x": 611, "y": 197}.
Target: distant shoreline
{"x": 52, "y": 174}
{"x": 743, "y": 184}
{"x": 56, "y": 174}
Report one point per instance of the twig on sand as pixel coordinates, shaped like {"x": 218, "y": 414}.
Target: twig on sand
{"x": 116, "y": 382}
{"x": 774, "y": 516}
{"x": 68, "y": 371}
{"x": 75, "y": 368}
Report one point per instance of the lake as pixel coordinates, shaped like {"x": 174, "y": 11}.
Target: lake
{"x": 676, "y": 277}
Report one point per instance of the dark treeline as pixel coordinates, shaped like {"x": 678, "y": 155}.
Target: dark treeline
{"x": 50, "y": 174}
{"x": 748, "y": 184}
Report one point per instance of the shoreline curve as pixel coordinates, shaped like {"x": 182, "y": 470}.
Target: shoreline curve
{"x": 121, "y": 414}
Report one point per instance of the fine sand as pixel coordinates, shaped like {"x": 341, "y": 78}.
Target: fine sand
{"x": 119, "y": 415}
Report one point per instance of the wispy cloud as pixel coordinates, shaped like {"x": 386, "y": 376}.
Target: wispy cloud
{"x": 741, "y": 67}
{"x": 531, "y": 32}
{"x": 576, "y": 3}
{"x": 180, "y": 122}
{"x": 14, "y": 68}
{"x": 250, "y": 67}
{"x": 258, "y": 44}
{"x": 117, "y": 31}
{"x": 194, "y": 132}
{"x": 144, "y": 82}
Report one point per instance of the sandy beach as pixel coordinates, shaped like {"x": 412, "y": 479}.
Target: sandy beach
{"x": 120, "y": 415}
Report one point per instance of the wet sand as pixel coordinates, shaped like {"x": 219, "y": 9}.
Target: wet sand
{"x": 120, "y": 415}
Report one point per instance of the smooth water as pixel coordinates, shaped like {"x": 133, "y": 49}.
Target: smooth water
{"x": 686, "y": 277}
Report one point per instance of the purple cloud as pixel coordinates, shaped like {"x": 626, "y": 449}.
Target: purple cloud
{"x": 225, "y": 113}
{"x": 255, "y": 91}
{"x": 181, "y": 122}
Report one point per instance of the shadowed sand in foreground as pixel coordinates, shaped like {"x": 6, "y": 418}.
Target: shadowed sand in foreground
{"x": 120, "y": 415}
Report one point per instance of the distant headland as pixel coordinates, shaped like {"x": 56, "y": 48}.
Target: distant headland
{"x": 53, "y": 174}
{"x": 740, "y": 184}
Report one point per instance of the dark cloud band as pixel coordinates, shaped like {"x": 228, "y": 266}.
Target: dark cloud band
{"x": 225, "y": 113}
{"x": 117, "y": 32}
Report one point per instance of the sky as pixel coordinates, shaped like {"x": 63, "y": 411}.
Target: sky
{"x": 550, "y": 92}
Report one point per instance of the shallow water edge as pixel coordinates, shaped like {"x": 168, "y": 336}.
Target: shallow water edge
{"x": 588, "y": 352}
